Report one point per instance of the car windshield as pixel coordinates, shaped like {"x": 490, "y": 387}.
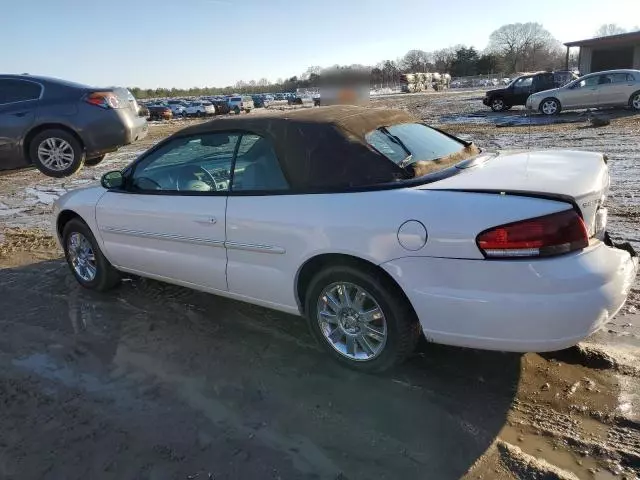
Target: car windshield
{"x": 419, "y": 148}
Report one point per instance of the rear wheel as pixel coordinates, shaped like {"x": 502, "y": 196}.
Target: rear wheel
{"x": 56, "y": 153}
{"x": 91, "y": 162}
{"x": 498, "y": 105}
{"x": 550, "y": 106}
{"x": 85, "y": 259}
{"x": 634, "y": 101}
{"x": 236, "y": 110}
{"x": 360, "y": 318}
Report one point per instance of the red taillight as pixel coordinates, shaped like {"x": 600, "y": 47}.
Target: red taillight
{"x": 553, "y": 234}
{"x": 103, "y": 100}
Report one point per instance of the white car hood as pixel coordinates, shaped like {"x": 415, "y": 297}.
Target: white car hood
{"x": 583, "y": 176}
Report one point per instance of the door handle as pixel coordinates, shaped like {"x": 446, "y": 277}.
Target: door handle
{"x": 20, "y": 114}
{"x": 207, "y": 221}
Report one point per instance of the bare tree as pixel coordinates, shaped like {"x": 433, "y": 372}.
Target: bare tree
{"x": 263, "y": 82}
{"x": 608, "y": 29}
{"x": 415, "y": 61}
{"x": 523, "y": 44}
{"x": 443, "y": 59}
{"x": 315, "y": 70}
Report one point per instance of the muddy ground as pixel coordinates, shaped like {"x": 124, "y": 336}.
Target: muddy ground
{"x": 159, "y": 382}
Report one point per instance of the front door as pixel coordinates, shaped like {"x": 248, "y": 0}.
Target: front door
{"x": 522, "y": 88}
{"x": 18, "y": 107}
{"x": 168, "y": 221}
{"x": 614, "y": 89}
{"x": 581, "y": 94}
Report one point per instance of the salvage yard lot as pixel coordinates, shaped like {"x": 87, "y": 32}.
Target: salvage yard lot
{"x": 155, "y": 381}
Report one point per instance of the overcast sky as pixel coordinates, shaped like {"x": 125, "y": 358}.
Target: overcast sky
{"x": 152, "y": 43}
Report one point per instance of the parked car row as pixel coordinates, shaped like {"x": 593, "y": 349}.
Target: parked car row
{"x": 551, "y": 92}
{"x": 206, "y": 106}
{"x": 59, "y": 126}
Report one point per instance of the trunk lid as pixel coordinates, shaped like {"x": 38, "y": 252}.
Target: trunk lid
{"x": 582, "y": 177}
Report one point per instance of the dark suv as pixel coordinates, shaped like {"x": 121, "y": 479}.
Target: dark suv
{"x": 58, "y": 126}
{"x": 517, "y": 92}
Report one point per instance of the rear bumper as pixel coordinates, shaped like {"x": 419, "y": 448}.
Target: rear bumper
{"x": 114, "y": 132}
{"x": 517, "y": 305}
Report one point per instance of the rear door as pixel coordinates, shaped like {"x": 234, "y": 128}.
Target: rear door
{"x": 612, "y": 90}
{"x": 542, "y": 82}
{"x": 261, "y": 239}
{"x": 169, "y": 222}
{"x": 19, "y": 101}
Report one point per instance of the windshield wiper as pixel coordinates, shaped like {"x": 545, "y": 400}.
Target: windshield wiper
{"x": 406, "y": 160}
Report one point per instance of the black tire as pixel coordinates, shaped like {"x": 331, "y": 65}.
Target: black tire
{"x": 92, "y": 162}
{"x": 403, "y": 328}
{"x": 550, "y": 112}
{"x": 106, "y": 276}
{"x": 236, "y": 110}
{"x": 498, "y": 104}
{"x": 634, "y": 101}
{"x": 54, "y": 135}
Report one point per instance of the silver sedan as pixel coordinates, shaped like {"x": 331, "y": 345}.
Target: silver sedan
{"x": 613, "y": 88}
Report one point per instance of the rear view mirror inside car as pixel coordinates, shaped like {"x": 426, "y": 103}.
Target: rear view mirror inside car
{"x": 214, "y": 140}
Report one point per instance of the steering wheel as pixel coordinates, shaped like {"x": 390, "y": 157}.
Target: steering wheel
{"x": 188, "y": 173}
{"x": 146, "y": 183}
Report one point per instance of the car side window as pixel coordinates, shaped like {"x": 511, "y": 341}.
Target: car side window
{"x": 523, "y": 83}
{"x": 589, "y": 82}
{"x": 199, "y": 163}
{"x": 630, "y": 78}
{"x": 12, "y": 91}
{"x": 613, "y": 78}
{"x": 257, "y": 168}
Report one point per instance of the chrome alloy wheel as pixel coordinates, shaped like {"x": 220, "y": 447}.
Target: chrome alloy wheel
{"x": 549, "y": 107}
{"x": 498, "y": 104}
{"x": 635, "y": 103}
{"x": 352, "y": 321}
{"x": 82, "y": 257}
{"x": 55, "y": 153}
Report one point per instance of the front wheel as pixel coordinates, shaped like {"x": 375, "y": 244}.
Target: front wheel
{"x": 550, "y": 106}
{"x": 634, "y": 101}
{"x": 498, "y": 105}
{"x": 360, "y": 318}
{"x": 85, "y": 259}
{"x": 56, "y": 153}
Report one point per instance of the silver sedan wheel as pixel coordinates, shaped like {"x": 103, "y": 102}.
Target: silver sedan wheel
{"x": 635, "y": 102}
{"x": 352, "y": 321}
{"x": 82, "y": 257}
{"x": 549, "y": 107}
{"x": 55, "y": 153}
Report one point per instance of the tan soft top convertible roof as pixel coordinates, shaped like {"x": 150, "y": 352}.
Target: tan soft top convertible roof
{"x": 320, "y": 148}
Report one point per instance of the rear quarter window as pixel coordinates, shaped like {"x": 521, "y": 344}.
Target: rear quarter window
{"x": 419, "y": 147}
{"x": 13, "y": 90}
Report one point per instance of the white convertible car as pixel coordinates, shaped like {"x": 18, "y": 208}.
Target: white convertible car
{"x": 372, "y": 225}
